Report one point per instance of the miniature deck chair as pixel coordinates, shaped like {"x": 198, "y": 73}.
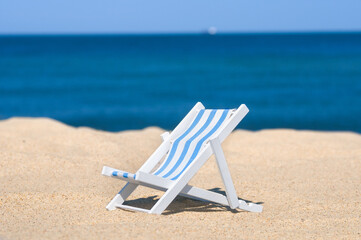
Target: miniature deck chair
{"x": 184, "y": 151}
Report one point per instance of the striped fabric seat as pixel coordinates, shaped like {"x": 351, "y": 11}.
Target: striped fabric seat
{"x": 188, "y": 145}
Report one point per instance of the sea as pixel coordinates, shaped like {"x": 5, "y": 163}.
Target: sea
{"x": 118, "y": 82}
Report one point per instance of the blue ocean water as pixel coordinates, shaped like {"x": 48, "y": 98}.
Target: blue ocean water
{"x": 117, "y": 82}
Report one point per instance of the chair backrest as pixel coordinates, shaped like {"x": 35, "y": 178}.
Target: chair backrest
{"x": 189, "y": 143}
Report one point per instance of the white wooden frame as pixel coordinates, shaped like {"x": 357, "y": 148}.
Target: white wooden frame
{"x": 180, "y": 185}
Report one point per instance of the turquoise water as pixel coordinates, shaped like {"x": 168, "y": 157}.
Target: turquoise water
{"x": 301, "y": 81}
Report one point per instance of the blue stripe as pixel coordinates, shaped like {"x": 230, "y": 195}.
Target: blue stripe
{"x": 125, "y": 175}
{"x": 199, "y": 144}
{"x": 115, "y": 173}
{"x": 189, "y": 141}
{"x": 176, "y": 142}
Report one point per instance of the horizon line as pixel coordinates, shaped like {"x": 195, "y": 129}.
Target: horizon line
{"x": 182, "y": 33}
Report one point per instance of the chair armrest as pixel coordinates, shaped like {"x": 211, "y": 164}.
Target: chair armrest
{"x": 112, "y": 172}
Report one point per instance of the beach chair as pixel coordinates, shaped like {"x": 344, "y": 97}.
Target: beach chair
{"x": 184, "y": 151}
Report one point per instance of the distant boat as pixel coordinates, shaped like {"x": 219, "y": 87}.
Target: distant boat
{"x": 212, "y": 30}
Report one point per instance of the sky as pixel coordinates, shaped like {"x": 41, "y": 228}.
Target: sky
{"x": 177, "y": 16}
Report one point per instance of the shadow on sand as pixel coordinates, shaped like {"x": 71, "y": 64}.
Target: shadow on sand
{"x": 183, "y": 204}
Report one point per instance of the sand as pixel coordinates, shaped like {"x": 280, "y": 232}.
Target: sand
{"x": 51, "y": 185}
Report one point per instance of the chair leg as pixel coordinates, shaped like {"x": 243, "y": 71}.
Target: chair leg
{"x": 165, "y": 200}
{"x": 180, "y": 183}
{"x": 224, "y": 171}
{"x": 122, "y": 195}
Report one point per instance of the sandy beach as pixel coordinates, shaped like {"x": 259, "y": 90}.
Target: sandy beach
{"x": 51, "y": 185}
